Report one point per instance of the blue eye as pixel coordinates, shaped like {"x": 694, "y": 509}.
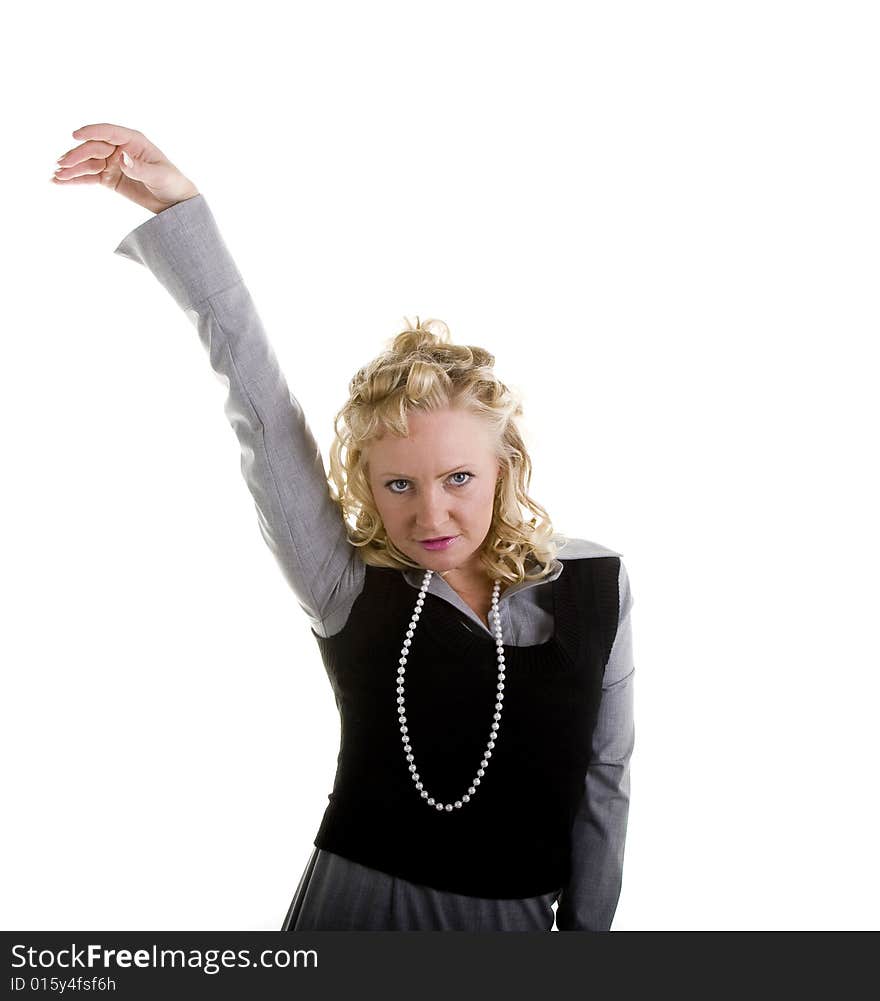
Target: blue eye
{"x": 459, "y": 473}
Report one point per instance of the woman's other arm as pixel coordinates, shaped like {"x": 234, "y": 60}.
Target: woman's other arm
{"x": 589, "y": 901}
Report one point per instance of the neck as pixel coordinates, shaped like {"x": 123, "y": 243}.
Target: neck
{"x": 465, "y": 577}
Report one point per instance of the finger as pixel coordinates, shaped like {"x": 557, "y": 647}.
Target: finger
{"x": 116, "y": 134}
{"x": 150, "y": 174}
{"x": 90, "y": 166}
{"x": 82, "y": 179}
{"x": 94, "y": 147}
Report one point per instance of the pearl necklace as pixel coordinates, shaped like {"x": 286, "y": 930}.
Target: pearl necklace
{"x": 401, "y": 706}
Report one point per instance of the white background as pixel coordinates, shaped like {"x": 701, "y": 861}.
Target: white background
{"x": 661, "y": 218}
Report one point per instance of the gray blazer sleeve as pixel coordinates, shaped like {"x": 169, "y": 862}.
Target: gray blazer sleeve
{"x": 589, "y": 901}
{"x": 280, "y": 460}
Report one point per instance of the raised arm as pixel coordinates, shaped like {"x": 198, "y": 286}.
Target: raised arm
{"x": 589, "y": 901}
{"x": 280, "y": 460}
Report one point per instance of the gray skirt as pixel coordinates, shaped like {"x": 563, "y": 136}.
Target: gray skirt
{"x": 336, "y": 894}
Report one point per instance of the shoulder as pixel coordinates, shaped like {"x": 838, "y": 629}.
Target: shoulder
{"x": 581, "y": 549}
{"x": 572, "y": 548}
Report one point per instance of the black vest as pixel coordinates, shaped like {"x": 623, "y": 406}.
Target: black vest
{"x": 513, "y": 839}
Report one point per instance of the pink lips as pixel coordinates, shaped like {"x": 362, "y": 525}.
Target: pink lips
{"x": 440, "y": 543}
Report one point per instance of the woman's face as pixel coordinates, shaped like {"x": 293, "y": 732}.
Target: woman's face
{"x": 439, "y": 481}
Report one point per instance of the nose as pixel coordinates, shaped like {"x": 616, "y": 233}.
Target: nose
{"x": 432, "y": 515}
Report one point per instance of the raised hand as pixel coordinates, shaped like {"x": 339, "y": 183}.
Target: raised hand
{"x": 150, "y": 179}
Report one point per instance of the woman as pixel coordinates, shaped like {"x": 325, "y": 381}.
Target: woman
{"x": 482, "y": 665}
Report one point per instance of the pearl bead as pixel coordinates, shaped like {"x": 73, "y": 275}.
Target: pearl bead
{"x": 401, "y": 708}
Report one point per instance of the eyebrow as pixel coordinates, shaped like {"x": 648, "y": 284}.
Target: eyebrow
{"x": 404, "y": 476}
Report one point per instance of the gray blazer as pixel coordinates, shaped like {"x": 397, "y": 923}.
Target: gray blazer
{"x": 283, "y": 469}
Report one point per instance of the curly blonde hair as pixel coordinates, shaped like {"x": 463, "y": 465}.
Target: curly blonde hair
{"x": 421, "y": 369}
